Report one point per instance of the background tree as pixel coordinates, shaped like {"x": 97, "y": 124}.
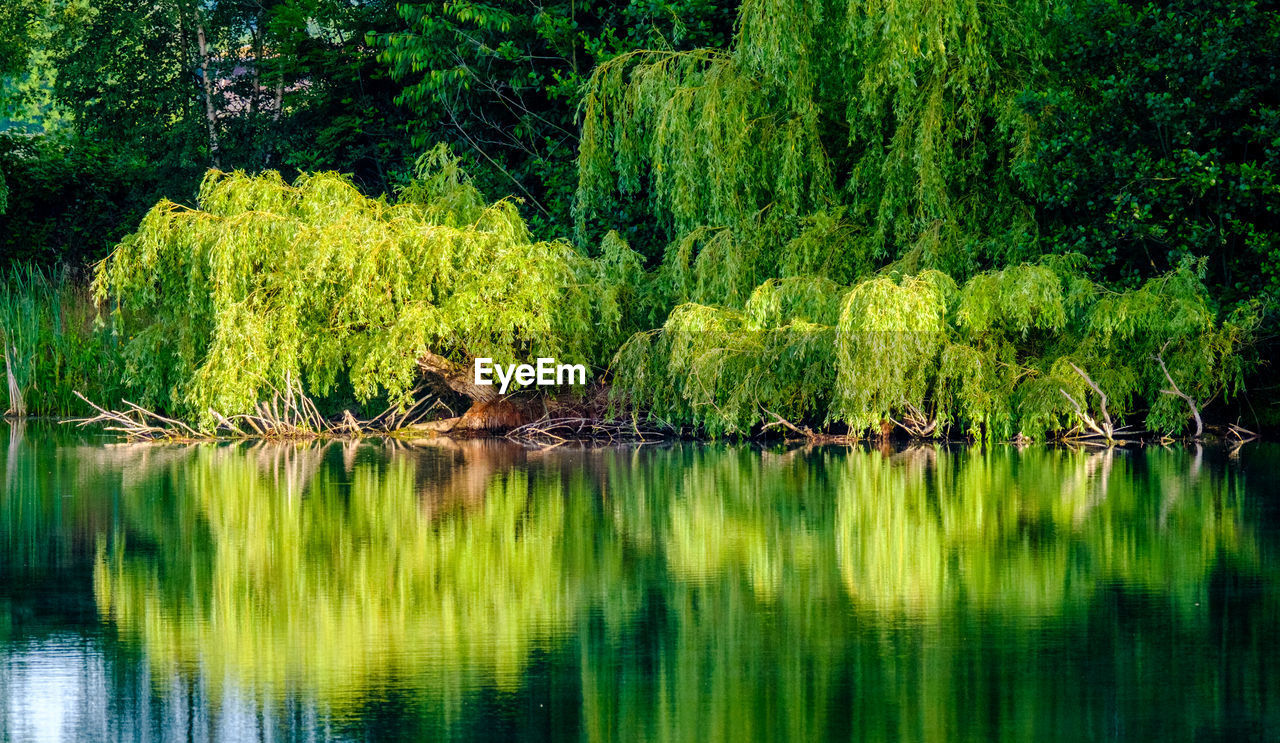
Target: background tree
{"x": 886, "y": 118}
{"x": 1156, "y": 141}
{"x": 502, "y": 83}
{"x": 15, "y": 23}
{"x": 290, "y": 85}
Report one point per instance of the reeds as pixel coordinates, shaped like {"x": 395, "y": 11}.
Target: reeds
{"x": 52, "y": 345}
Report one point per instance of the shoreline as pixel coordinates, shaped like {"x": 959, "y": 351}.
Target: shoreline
{"x": 553, "y": 432}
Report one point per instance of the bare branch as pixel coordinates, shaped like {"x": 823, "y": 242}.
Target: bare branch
{"x": 1175, "y": 391}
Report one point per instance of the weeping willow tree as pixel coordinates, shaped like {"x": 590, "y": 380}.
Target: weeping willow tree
{"x": 881, "y": 129}
{"x": 1033, "y": 350}
{"x": 268, "y": 283}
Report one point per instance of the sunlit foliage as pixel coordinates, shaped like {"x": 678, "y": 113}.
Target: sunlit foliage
{"x": 722, "y": 369}
{"x": 1003, "y": 354}
{"x": 316, "y": 283}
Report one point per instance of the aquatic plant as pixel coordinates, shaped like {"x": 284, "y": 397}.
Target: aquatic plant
{"x": 51, "y": 345}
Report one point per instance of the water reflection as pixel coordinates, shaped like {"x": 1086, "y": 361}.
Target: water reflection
{"x": 474, "y": 589}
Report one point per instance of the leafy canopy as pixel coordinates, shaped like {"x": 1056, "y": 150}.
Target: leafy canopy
{"x": 991, "y": 357}
{"x": 882, "y": 118}
{"x": 314, "y": 282}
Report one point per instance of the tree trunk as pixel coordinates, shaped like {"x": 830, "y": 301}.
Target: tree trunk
{"x": 489, "y": 412}
{"x": 210, "y": 112}
{"x": 457, "y": 377}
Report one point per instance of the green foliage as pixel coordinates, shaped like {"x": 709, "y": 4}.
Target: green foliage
{"x": 889, "y": 337}
{"x": 886, "y": 116}
{"x": 71, "y": 200}
{"x": 721, "y": 369}
{"x": 1155, "y": 141}
{"x": 125, "y": 70}
{"x": 317, "y": 283}
{"x": 51, "y": 346}
{"x": 502, "y": 82}
{"x": 991, "y": 358}
{"x": 337, "y": 105}
{"x": 116, "y": 88}
{"x": 15, "y": 35}
{"x": 27, "y": 100}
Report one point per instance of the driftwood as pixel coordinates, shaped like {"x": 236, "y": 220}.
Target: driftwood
{"x": 557, "y": 431}
{"x": 138, "y": 423}
{"x": 288, "y": 414}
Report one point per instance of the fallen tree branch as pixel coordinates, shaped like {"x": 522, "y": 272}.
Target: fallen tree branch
{"x": 1102, "y": 398}
{"x": 916, "y": 423}
{"x": 1241, "y": 433}
{"x": 783, "y": 422}
{"x": 556, "y": 431}
{"x": 137, "y": 428}
{"x": 1175, "y": 391}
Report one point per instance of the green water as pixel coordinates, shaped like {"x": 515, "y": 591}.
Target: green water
{"x": 479, "y": 590}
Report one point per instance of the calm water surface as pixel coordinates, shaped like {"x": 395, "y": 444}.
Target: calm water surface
{"x": 477, "y": 590}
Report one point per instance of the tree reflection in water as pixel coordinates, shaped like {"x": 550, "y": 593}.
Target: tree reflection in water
{"x": 698, "y": 592}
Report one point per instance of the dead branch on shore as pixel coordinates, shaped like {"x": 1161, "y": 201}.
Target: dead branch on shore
{"x": 917, "y": 424}
{"x": 557, "y": 431}
{"x": 138, "y": 423}
{"x": 288, "y": 414}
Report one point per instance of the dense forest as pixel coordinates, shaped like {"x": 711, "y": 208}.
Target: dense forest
{"x": 997, "y": 221}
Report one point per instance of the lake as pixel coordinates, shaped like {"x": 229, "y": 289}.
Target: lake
{"x": 478, "y": 590}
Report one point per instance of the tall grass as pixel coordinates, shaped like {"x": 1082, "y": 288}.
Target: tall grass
{"x": 52, "y": 345}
